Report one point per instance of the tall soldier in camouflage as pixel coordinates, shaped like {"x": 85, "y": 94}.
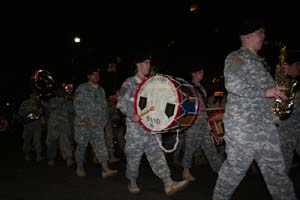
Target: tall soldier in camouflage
{"x": 289, "y": 129}
{"x": 90, "y": 119}
{"x": 250, "y": 131}
{"x": 32, "y": 129}
{"x": 139, "y": 141}
{"x": 199, "y": 134}
{"x": 59, "y": 128}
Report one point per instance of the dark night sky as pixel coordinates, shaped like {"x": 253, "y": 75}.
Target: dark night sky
{"x": 42, "y": 35}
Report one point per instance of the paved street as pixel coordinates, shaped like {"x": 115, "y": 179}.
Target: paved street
{"x": 20, "y": 180}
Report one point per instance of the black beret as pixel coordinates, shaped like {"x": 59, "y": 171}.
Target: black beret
{"x": 197, "y": 68}
{"x": 91, "y": 69}
{"x": 139, "y": 54}
{"x": 251, "y": 25}
{"x": 141, "y": 58}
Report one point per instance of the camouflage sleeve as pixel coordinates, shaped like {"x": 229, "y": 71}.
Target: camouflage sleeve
{"x": 125, "y": 104}
{"x": 24, "y": 109}
{"x": 241, "y": 79}
{"x": 80, "y": 103}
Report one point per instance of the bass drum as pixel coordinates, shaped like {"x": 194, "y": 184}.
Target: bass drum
{"x": 166, "y": 104}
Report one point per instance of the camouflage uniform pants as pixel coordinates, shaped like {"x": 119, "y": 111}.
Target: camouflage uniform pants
{"x": 137, "y": 143}
{"x": 289, "y": 132}
{"x": 63, "y": 141}
{"x": 95, "y": 136}
{"x": 201, "y": 137}
{"x": 256, "y": 145}
{"x": 32, "y": 131}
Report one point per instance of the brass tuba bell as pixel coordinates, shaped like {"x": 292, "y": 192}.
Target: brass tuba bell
{"x": 43, "y": 82}
{"x": 44, "y": 85}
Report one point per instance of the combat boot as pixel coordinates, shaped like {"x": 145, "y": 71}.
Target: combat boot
{"x": 133, "y": 187}
{"x": 186, "y": 174}
{"x": 70, "y": 162}
{"x": 171, "y": 187}
{"x": 51, "y": 163}
{"x": 106, "y": 171}
{"x": 80, "y": 172}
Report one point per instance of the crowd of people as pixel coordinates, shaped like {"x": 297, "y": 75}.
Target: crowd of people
{"x": 252, "y": 131}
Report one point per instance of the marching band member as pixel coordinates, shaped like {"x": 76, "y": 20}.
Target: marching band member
{"x": 139, "y": 141}
{"x": 251, "y": 133}
{"x": 90, "y": 119}
{"x": 32, "y": 111}
{"x": 59, "y": 127}
{"x": 199, "y": 134}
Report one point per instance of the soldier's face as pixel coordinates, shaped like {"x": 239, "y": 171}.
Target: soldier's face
{"x": 94, "y": 77}
{"x": 257, "y": 38}
{"x": 198, "y": 75}
{"x": 144, "y": 67}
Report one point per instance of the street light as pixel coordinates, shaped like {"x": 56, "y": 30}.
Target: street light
{"x": 77, "y": 39}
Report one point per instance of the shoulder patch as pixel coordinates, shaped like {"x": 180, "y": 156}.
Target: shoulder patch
{"x": 238, "y": 59}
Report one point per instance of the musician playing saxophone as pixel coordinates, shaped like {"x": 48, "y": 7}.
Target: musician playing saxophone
{"x": 289, "y": 129}
{"x": 251, "y": 133}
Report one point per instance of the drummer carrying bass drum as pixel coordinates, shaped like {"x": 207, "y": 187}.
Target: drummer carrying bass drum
{"x": 138, "y": 140}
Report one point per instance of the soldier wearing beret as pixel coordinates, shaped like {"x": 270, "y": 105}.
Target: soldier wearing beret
{"x": 251, "y": 133}
{"x": 138, "y": 140}
{"x": 90, "y": 119}
{"x": 199, "y": 134}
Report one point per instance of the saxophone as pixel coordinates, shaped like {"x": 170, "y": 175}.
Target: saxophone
{"x": 283, "y": 109}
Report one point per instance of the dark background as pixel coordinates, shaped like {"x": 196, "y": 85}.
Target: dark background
{"x": 40, "y": 36}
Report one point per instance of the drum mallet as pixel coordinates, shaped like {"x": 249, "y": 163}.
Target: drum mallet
{"x": 147, "y": 111}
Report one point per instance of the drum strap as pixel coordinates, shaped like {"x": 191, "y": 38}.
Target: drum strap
{"x": 174, "y": 147}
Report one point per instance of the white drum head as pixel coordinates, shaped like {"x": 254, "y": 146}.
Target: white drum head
{"x": 156, "y": 102}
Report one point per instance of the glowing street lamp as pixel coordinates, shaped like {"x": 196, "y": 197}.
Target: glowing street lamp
{"x": 77, "y": 40}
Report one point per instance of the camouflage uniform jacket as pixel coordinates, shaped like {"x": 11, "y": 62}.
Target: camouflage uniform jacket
{"x": 203, "y": 114}
{"x": 90, "y": 102}
{"x": 246, "y": 80}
